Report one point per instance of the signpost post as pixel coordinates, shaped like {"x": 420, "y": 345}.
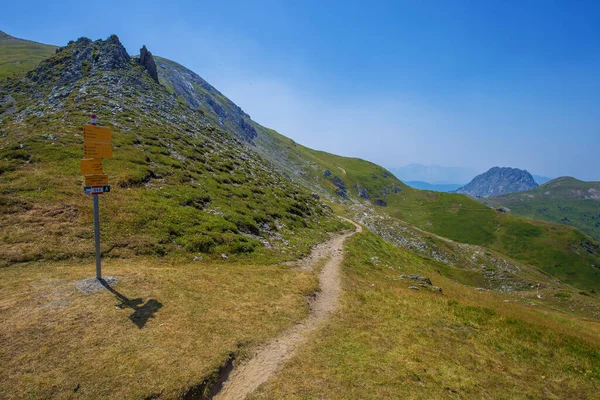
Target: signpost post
{"x": 97, "y": 145}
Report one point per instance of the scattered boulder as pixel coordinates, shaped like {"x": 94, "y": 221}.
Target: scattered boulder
{"x": 422, "y": 282}
{"x": 416, "y": 278}
{"x": 380, "y": 203}
{"x": 315, "y": 196}
{"x": 327, "y": 173}
{"x": 147, "y": 61}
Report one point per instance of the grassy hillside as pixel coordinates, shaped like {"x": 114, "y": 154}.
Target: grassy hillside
{"x": 18, "y": 56}
{"x": 563, "y": 200}
{"x": 178, "y": 184}
{"x": 556, "y": 249}
{"x": 391, "y": 341}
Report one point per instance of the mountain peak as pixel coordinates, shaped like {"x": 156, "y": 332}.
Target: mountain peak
{"x": 499, "y": 180}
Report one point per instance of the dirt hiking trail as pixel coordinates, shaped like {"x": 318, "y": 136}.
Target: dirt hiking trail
{"x": 265, "y": 362}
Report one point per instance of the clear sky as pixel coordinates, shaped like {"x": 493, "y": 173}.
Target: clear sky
{"x": 461, "y": 83}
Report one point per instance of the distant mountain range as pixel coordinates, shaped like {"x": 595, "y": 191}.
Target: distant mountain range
{"x": 440, "y": 178}
{"x": 498, "y": 181}
{"x": 434, "y": 174}
{"x": 448, "y": 187}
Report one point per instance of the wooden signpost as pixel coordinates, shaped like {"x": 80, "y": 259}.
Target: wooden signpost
{"x": 96, "y": 146}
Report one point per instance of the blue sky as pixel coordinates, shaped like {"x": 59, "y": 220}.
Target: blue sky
{"x": 472, "y": 84}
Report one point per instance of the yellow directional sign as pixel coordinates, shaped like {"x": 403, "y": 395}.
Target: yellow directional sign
{"x": 96, "y": 180}
{"x": 97, "y": 150}
{"x": 91, "y": 166}
{"x": 98, "y": 134}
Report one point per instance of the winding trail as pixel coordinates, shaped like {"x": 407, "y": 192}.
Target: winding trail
{"x": 268, "y": 358}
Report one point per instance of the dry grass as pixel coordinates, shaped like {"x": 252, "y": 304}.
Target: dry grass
{"x": 388, "y": 341}
{"x": 58, "y": 342}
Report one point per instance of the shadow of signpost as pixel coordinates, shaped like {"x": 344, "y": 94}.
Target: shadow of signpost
{"x": 141, "y": 312}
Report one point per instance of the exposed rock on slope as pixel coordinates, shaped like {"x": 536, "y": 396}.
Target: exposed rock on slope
{"x": 147, "y": 61}
{"x": 498, "y": 181}
{"x": 200, "y": 94}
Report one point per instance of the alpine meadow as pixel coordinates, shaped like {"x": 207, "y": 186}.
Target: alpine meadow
{"x": 238, "y": 263}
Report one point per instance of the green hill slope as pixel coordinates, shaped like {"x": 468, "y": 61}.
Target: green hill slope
{"x": 18, "y": 56}
{"x": 178, "y": 183}
{"x": 563, "y": 200}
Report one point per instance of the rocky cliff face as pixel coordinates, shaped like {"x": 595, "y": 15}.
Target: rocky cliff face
{"x": 498, "y": 181}
{"x": 203, "y": 96}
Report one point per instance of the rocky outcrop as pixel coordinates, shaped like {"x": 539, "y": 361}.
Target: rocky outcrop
{"x": 147, "y": 61}
{"x": 81, "y": 58}
{"x": 421, "y": 283}
{"x": 498, "y": 181}
{"x": 362, "y": 192}
{"x": 380, "y": 203}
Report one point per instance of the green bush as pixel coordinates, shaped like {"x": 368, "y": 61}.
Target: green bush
{"x": 563, "y": 295}
{"x": 201, "y": 243}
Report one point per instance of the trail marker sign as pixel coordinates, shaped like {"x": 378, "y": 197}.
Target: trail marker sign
{"x": 97, "y": 150}
{"x": 96, "y": 146}
{"x": 96, "y": 180}
{"x": 91, "y": 166}
{"x": 96, "y": 189}
{"x": 98, "y": 134}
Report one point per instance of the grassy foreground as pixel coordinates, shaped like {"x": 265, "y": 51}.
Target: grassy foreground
{"x": 58, "y": 342}
{"x": 388, "y": 341}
